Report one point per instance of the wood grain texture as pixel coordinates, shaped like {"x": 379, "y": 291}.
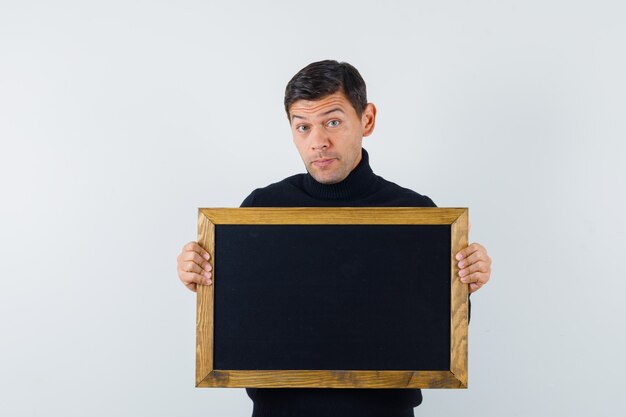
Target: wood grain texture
{"x": 332, "y": 379}
{"x": 340, "y": 215}
{"x": 204, "y": 304}
{"x": 206, "y": 376}
{"x": 459, "y": 303}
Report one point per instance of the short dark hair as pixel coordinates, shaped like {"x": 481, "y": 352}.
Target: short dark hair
{"x": 320, "y": 79}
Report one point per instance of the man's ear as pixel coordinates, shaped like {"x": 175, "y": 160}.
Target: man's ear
{"x": 368, "y": 119}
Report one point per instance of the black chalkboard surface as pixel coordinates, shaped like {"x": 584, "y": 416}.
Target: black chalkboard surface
{"x": 347, "y": 297}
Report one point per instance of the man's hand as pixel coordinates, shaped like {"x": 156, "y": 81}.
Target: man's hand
{"x": 474, "y": 265}
{"x": 193, "y": 266}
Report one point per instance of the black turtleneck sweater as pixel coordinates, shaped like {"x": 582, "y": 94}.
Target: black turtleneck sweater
{"x": 362, "y": 188}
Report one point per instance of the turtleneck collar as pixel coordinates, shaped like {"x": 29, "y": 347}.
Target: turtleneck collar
{"x": 355, "y": 184}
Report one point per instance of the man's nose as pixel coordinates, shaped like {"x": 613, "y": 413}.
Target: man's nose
{"x": 319, "y": 139}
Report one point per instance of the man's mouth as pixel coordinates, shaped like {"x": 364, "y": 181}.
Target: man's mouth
{"x": 323, "y": 162}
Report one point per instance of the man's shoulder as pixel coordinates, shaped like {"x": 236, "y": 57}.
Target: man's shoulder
{"x": 393, "y": 195}
{"x": 272, "y": 194}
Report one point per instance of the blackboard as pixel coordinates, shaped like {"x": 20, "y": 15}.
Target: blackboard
{"x": 319, "y": 297}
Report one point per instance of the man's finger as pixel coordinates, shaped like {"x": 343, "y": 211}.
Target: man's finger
{"x": 464, "y": 253}
{"x": 195, "y": 247}
{"x": 475, "y": 277}
{"x": 195, "y": 258}
{"x": 473, "y": 258}
{"x": 474, "y": 247}
{"x": 475, "y": 286}
{"x": 480, "y": 266}
{"x": 193, "y": 278}
{"x": 195, "y": 268}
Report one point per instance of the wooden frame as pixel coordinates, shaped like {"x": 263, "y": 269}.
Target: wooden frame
{"x": 456, "y": 377}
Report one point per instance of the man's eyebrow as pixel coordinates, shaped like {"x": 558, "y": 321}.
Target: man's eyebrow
{"x": 295, "y": 116}
{"x": 332, "y": 110}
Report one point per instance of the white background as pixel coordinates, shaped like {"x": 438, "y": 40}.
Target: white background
{"x": 118, "y": 119}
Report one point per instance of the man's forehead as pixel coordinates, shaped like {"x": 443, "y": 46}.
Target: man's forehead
{"x": 312, "y": 108}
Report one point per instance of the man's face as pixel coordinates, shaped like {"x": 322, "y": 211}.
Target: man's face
{"x": 328, "y": 134}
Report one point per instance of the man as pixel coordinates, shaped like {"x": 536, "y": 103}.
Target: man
{"x": 327, "y": 107}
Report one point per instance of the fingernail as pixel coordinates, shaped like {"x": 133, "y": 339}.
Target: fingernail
{"x": 461, "y": 264}
{"x": 207, "y": 282}
{"x": 206, "y": 256}
{"x": 208, "y": 267}
{"x": 207, "y": 274}
{"x": 464, "y": 280}
{"x": 462, "y": 273}
{"x": 459, "y": 256}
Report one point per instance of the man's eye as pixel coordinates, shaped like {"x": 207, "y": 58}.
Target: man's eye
{"x": 333, "y": 123}
{"x": 302, "y": 128}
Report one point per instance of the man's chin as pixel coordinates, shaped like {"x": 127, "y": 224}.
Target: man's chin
{"x": 326, "y": 179}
